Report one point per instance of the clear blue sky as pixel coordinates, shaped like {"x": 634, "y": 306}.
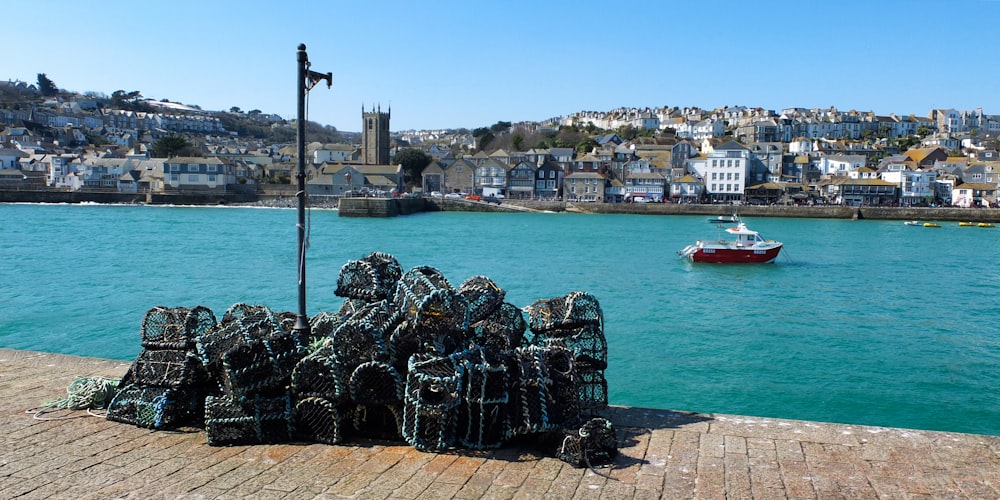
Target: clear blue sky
{"x": 450, "y": 64}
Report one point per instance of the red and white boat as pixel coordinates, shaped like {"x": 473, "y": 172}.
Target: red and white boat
{"x": 747, "y": 247}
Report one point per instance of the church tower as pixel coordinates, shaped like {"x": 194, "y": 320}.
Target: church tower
{"x": 375, "y": 136}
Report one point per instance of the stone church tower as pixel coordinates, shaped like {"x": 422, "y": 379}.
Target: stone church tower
{"x": 375, "y": 136}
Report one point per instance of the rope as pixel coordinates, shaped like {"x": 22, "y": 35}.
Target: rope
{"x": 84, "y": 393}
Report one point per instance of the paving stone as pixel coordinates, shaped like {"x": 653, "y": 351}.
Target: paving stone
{"x": 662, "y": 454}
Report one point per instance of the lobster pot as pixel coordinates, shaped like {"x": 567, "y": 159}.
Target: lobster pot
{"x": 257, "y": 420}
{"x": 403, "y": 344}
{"x": 376, "y": 383}
{"x": 155, "y": 407}
{"x": 591, "y": 390}
{"x": 321, "y": 420}
{"x": 482, "y": 295}
{"x": 260, "y": 365}
{"x": 587, "y": 343}
{"x": 249, "y": 313}
{"x": 322, "y": 325}
{"x": 433, "y": 394}
{"x": 320, "y": 374}
{"x": 483, "y": 416}
{"x": 226, "y": 337}
{"x": 502, "y": 330}
{"x": 175, "y": 328}
{"x": 166, "y": 368}
{"x": 569, "y": 311}
{"x": 361, "y": 337}
{"x": 370, "y": 278}
{"x": 379, "y": 421}
{"x": 544, "y": 389}
{"x": 593, "y": 444}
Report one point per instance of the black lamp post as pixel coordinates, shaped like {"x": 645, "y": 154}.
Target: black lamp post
{"x": 305, "y": 82}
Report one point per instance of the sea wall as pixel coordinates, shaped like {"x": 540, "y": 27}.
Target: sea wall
{"x": 380, "y": 207}
{"x": 52, "y": 196}
{"x": 816, "y": 212}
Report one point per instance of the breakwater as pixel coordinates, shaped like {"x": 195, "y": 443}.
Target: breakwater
{"x": 385, "y": 207}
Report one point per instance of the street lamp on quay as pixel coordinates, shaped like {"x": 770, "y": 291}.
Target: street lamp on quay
{"x": 306, "y": 81}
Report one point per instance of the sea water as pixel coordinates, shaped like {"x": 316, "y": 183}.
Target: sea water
{"x": 864, "y": 322}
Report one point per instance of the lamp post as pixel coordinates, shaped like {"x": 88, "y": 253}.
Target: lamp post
{"x": 305, "y": 82}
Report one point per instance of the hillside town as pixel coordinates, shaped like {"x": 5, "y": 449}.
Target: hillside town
{"x": 83, "y": 143}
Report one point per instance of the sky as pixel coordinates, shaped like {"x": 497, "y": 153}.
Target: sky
{"x": 468, "y": 64}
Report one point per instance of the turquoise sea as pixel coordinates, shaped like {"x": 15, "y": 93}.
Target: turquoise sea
{"x": 863, "y": 322}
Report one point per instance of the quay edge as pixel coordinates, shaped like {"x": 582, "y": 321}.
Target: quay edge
{"x": 662, "y": 454}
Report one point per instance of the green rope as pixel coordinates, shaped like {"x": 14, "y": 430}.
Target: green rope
{"x": 87, "y": 393}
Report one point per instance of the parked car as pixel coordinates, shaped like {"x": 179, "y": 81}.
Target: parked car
{"x": 473, "y": 197}
{"x": 492, "y": 199}
{"x": 435, "y": 194}
{"x": 453, "y": 196}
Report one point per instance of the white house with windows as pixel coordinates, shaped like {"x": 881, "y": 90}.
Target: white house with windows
{"x": 915, "y": 186}
{"x": 726, "y": 172}
{"x": 839, "y": 164}
{"x": 191, "y": 173}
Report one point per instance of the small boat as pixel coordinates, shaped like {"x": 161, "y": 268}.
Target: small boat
{"x": 913, "y": 223}
{"x": 724, "y": 219}
{"x": 966, "y": 224}
{"x": 985, "y": 224}
{"x": 931, "y": 224}
{"x": 747, "y": 248}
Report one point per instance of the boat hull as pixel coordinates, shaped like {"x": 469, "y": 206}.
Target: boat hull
{"x": 735, "y": 256}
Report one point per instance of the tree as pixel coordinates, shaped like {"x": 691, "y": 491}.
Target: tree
{"x": 517, "y": 141}
{"x": 46, "y": 87}
{"x": 170, "y": 146}
{"x": 413, "y": 161}
{"x": 499, "y": 127}
{"x": 235, "y": 109}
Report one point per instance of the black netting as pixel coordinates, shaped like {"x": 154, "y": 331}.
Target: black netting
{"x": 483, "y": 419}
{"x": 362, "y": 337}
{"x": 376, "y": 383}
{"x": 175, "y": 328}
{"x": 433, "y": 393}
{"x": 544, "y": 391}
{"x": 587, "y": 343}
{"x": 155, "y": 407}
{"x": 594, "y": 443}
{"x": 592, "y": 391}
{"x": 503, "y": 329}
{"x": 569, "y": 311}
{"x": 321, "y": 420}
{"x": 378, "y": 421}
{"x": 258, "y": 420}
{"x": 166, "y": 368}
{"x": 482, "y": 295}
{"x": 370, "y": 278}
{"x": 320, "y": 374}
{"x": 260, "y": 365}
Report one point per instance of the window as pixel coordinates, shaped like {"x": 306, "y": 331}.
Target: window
{"x": 552, "y": 174}
{"x": 175, "y": 177}
{"x": 211, "y": 177}
{"x": 193, "y": 178}
{"x": 175, "y": 168}
{"x": 713, "y": 176}
{"x": 210, "y": 168}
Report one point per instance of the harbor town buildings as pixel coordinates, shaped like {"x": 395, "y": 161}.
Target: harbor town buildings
{"x": 733, "y": 154}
